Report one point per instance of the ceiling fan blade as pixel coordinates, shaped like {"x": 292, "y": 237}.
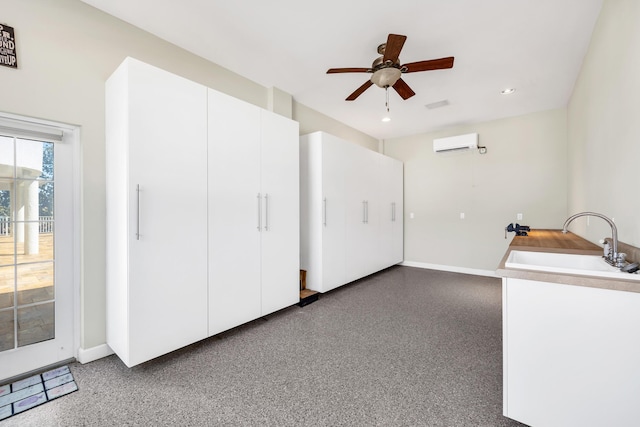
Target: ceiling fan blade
{"x": 393, "y": 47}
{"x": 359, "y": 91}
{"x": 432, "y": 64}
{"x": 348, "y": 70}
{"x": 403, "y": 89}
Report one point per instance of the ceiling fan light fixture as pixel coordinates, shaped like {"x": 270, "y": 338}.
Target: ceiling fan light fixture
{"x": 386, "y": 77}
{"x": 386, "y": 70}
{"x": 386, "y": 119}
{"x": 508, "y": 91}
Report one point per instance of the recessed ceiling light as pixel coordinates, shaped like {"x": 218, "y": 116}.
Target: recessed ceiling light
{"x": 386, "y": 119}
{"x": 507, "y": 91}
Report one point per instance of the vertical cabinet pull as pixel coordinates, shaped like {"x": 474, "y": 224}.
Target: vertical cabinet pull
{"x": 259, "y": 212}
{"x": 138, "y": 213}
{"x": 266, "y": 212}
{"x": 324, "y": 211}
{"x": 364, "y": 210}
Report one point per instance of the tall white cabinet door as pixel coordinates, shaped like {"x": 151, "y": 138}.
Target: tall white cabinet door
{"x": 372, "y": 195}
{"x": 162, "y": 306}
{"x": 235, "y": 217}
{"x": 391, "y": 212}
{"x": 280, "y": 234}
{"x": 397, "y": 191}
{"x": 332, "y": 215}
{"x": 361, "y": 216}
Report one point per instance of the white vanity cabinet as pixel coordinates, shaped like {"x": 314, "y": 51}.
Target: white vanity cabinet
{"x": 156, "y": 156}
{"x": 253, "y": 212}
{"x": 348, "y": 229}
{"x": 570, "y": 354}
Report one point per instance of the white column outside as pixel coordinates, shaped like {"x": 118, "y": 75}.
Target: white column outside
{"x": 19, "y": 219}
{"x": 31, "y": 210}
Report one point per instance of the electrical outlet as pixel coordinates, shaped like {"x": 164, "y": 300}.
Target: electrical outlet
{"x": 461, "y": 215}
{"x": 411, "y": 215}
{"x": 519, "y": 216}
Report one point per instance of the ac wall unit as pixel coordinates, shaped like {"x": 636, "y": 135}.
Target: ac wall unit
{"x": 460, "y": 142}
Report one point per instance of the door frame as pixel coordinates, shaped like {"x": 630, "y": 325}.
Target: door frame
{"x": 71, "y": 136}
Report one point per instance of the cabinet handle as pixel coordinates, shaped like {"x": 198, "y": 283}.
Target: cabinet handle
{"x": 324, "y": 211}
{"x": 364, "y": 210}
{"x": 138, "y": 213}
{"x": 259, "y": 212}
{"x": 366, "y": 204}
{"x": 266, "y": 211}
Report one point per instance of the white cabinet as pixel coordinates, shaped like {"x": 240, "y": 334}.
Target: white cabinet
{"x": 351, "y": 211}
{"x": 570, "y": 354}
{"x": 253, "y": 212}
{"x": 280, "y": 189}
{"x": 156, "y": 151}
{"x": 391, "y": 212}
{"x": 322, "y": 211}
{"x": 202, "y": 212}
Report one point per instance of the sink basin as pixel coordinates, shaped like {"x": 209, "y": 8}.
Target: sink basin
{"x": 588, "y": 265}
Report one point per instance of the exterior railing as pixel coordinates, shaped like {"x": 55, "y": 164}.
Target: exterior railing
{"x": 45, "y": 225}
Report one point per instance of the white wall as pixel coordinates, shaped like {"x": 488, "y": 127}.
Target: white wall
{"x": 523, "y": 171}
{"x": 312, "y": 121}
{"x": 66, "y": 50}
{"x": 604, "y": 126}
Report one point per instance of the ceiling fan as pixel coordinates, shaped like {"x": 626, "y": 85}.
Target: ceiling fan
{"x": 387, "y": 70}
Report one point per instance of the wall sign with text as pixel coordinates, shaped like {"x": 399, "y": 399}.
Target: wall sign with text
{"x": 8, "y": 57}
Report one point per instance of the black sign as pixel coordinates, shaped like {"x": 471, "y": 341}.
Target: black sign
{"x": 8, "y": 56}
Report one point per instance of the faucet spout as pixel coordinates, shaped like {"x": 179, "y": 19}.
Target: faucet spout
{"x": 613, "y": 259}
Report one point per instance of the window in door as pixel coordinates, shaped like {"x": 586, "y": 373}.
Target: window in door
{"x": 27, "y": 227}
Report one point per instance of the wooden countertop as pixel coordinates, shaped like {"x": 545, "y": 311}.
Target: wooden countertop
{"x": 556, "y": 241}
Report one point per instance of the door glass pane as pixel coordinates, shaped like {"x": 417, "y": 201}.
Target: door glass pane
{"x": 27, "y": 289}
{"x": 7, "y": 340}
{"x": 7, "y": 286}
{"x": 35, "y": 283}
{"x": 35, "y": 324}
{"x": 7, "y": 250}
{"x": 6, "y": 157}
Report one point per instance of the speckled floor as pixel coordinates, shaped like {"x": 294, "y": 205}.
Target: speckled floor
{"x": 404, "y": 347}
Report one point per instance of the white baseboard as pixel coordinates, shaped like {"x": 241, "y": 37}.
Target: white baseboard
{"x": 451, "y": 268}
{"x": 94, "y": 353}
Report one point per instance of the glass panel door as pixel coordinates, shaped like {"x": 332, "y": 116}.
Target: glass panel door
{"x": 36, "y": 290}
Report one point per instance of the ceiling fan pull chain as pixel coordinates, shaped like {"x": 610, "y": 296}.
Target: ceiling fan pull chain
{"x": 386, "y": 90}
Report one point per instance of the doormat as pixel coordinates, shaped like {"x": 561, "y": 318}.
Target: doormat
{"x": 30, "y": 392}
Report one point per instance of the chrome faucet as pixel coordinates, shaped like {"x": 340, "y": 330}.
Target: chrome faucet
{"x": 613, "y": 257}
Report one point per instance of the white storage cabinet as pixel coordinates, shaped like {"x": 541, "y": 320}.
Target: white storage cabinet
{"x": 351, "y": 215}
{"x": 156, "y": 155}
{"x": 202, "y": 212}
{"x": 253, "y": 212}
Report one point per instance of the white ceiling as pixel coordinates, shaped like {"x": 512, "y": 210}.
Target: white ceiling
{"x": 535, "y": 46}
